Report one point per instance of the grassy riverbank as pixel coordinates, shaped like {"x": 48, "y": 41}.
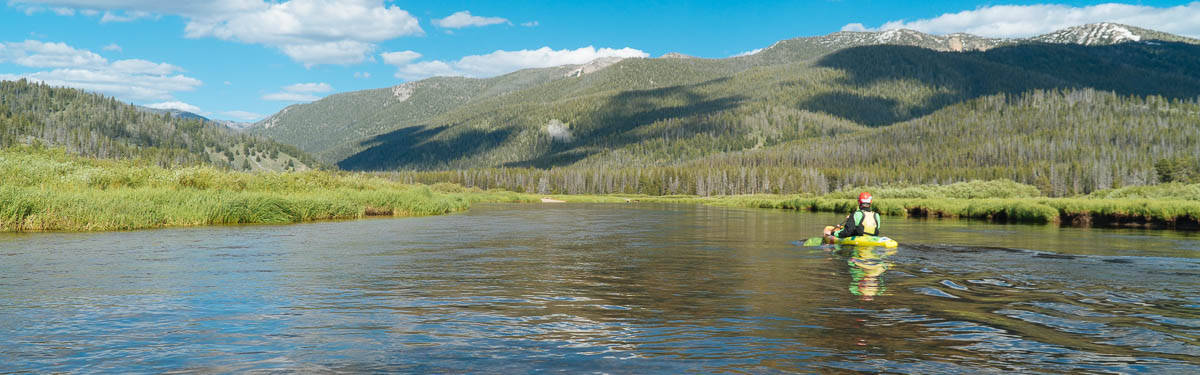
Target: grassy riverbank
{"x": 48, "y": 190}
{"x": 1163, "y": 206}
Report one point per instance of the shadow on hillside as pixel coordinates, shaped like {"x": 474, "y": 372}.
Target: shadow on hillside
{"x": 416, "y": 148}
{"x": 1167, "y": 69}
{"x": 614, "y": 123}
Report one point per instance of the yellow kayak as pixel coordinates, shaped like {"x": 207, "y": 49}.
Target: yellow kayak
{"x": 868, "y": 241}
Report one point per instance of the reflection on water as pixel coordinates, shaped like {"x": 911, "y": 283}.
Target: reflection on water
{"x": 867, "y": 264}
{"x": 603, "y": 288}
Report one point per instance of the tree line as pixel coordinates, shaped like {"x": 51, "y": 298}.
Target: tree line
{"x": 102, "y": 127}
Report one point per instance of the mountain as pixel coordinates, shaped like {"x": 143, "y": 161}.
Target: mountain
{"x": 235, "y": 125}
{"x": 670, "y": 112}
{"x": 97, "y": 126}
{"x": 1107, "y": 34}
{"x": 173, "y": 113}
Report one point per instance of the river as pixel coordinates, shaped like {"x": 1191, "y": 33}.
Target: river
{"x": 607, "y": 288}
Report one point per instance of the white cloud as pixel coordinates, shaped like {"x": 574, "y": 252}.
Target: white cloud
{"x": 314, "y": 31}
{"x": 427, "y": 69}
{"x": 400, "y": 58}
{"x": 465, "y": 19}
{"x": 113, "y": 47}
{"x": 501, "y": 62}
{"x": 243, "y": 115}
{"x": 854, "y": 27}
{"x": 129, "y": 87}
{"x": 184, "y": 8}
{"x": 37, "y": 54}
{"x": 227, "y": 83}
{"x": 136, "y": 66}
{"x": 308, "y": 87}
{"x": 530, "y": 24}
{"x": 176, "y": 105}
{"x": 131, "y": 79}
{"x": 300, "y": 92}
{"x": 363, "y": 75}
{"x": 311, "y": 32}
{"x": 1012, "y": 21}
{"x": 124, "y": 16}
{"x": 63, "y": 11}
{"x": 344, "y": 52}
{"x": 750, "y": 52}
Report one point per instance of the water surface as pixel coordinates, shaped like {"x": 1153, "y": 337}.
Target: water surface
{"x": 600, "y": 288}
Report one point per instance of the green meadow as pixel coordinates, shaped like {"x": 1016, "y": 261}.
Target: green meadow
{"x": 49, "y": 190}
{"x": 1171, "y": 205}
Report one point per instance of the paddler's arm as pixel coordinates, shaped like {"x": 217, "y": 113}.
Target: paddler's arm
{"x": 850, "y": 223}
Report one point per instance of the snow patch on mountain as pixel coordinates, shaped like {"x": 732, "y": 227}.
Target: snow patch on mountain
{"x": 1091, "y": 35}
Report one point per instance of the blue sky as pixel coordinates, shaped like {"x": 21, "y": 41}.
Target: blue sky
{"x": 246, "y": 59}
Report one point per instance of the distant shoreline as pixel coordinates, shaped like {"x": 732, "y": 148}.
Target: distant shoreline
{"x": 44, "y": 190}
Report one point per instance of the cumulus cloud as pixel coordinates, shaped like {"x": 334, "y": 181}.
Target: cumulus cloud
{"x": 426, "y": 69}
{"x": 362, "y": 75}
{"x": 300, "y": 92}
{"x": 131, "y": 79}
{"x": 309, "y": 87}
{"x": 312, "y": 32}
{"x": 135, "y": 66}
{"x": 501, "y": 62}
{"x": 37, "y": 54}
{"x": 399, "y": 58}
{"x": 1012, "y": 21}
{"x": 176, "y": 105}
{"x": 124, "y": 16}
{"x": 530, "y": 24}
{"x": 113, "y": 47}
{"x": 751, "y": 52}
{"x": 465, "y": 19}
{"x": 184, "y": 8}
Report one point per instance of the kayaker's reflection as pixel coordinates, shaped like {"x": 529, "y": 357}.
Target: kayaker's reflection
{"x": 867, "y": 265}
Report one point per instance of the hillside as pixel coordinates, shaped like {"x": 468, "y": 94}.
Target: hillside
{"x": 671, "y": 112}
{"x": 97, "y": 126}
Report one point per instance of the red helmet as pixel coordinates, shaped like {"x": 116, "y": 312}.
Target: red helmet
{"x": 864, "y": 199}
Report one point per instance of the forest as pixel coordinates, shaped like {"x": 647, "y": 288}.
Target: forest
{"x": 1064, "y": 142}
{"x": 97, "y": 126}
{"x": 1069, "y": 119}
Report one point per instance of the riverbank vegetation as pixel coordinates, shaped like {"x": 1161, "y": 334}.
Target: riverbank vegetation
{"x": 47, "y": 189}
{"x": 50, "y": 190}
{"x": 1171, "y": 205}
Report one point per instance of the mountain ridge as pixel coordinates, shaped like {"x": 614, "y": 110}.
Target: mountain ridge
{"x": 641, "y": 111}
{"x": 94, "y": 125}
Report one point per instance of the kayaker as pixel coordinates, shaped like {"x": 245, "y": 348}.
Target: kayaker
{"x": 864, "y": 221}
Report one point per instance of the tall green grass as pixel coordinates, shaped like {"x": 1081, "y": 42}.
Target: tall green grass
{"x": 1167, "y": 205}
{"x": 48, "y": 190}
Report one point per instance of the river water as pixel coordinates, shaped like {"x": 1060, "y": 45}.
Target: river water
{"x": 600, "y": 288}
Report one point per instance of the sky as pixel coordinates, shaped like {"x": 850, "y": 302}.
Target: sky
{"x": 244, "y": 60}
